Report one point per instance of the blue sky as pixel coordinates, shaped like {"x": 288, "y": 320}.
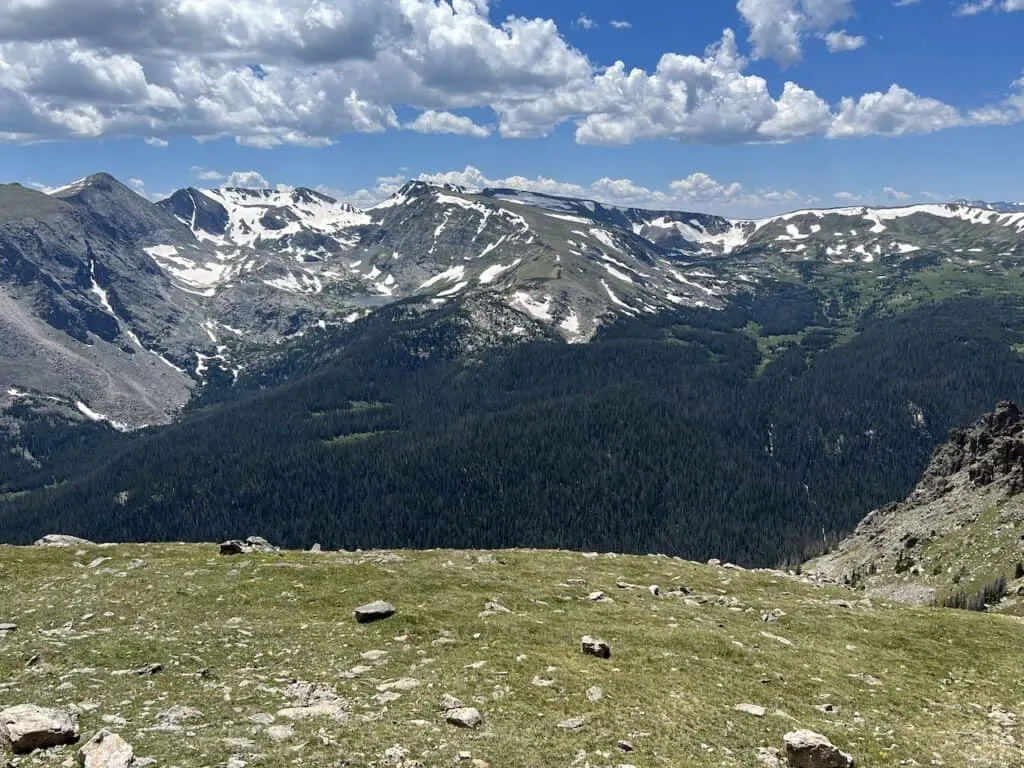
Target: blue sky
{"x": 744, "y": 107}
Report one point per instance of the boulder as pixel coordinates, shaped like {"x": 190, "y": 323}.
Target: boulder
{"x": 251, "y": 544}
{"x": 594, "y": 647}
{"x": 106, "y": 750}
{"x": 807, "y": 749}
{"x": 27, "y": 727}
{"x": 374, "y": 611}
{"x": 464, "y": 717}
{"x": 6, "y": 629}
{"x": 62, "y": 540}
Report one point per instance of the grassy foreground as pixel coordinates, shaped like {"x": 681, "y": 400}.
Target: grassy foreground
{"x": 908, "y": 686}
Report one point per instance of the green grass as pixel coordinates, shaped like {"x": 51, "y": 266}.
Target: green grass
{"x": 678, "y": 666}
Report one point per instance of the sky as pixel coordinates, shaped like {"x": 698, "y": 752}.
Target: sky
{"x": 738, "y": 107}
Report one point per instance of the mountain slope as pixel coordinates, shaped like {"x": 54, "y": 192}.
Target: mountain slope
{"x": 960, "y": 529}
{"x": 261, "y": 661}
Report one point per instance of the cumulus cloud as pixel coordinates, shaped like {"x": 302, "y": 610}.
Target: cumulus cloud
{"x": 585, "y": 22}
{"x": 251, "y": 179}
{"x": 698, "y": 189}
{"x": 446, "y": 122}
{"x": 621, "y": 24}
{"x": 840, "y": 41}
{"x": 302, "y": 72}
{"x": 895, "y": 194}
{"x": 778, "y": 27}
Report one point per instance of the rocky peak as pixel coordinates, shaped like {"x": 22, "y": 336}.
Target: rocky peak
{"x": 991, "y": 451}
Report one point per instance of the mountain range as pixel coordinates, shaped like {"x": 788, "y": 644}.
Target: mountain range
{"x": 117, "y": 307}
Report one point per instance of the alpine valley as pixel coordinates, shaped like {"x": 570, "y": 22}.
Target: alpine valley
{"x": 488, "y": 367}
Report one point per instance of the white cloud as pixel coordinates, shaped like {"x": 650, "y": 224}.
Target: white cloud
{"x": 251, "y": 179}
{"x": 895, "y": 194}
{"x": 621, "y": 24}
{"x": 974, "y": 8}
{"x": 137, "y": 184}
{"x": 778, "y": 27}
{"x": 302, "y": 72}
{"x": 446, "y": 122}
{"x": 893, "y": 113}
{"x": 205, "y": 174}
{"x": 840, "y": 41}
{"x": 155, "y": 141}
{"x": 847, "y": 197}
{"x": 585, "y": 22}
{"x": 697, "y": 190}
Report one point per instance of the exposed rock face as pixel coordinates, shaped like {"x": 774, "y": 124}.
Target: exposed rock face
{"x": 807, "y": 749}
{"x": 972, "y": 490}
{"x": 27, "y": 727}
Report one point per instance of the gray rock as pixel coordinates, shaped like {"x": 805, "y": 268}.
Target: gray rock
{"x": 6, "y": 629}
{"x": 449, "y": 702}
{"x": 27, "y": 727}
{"x": 106, "y": 750}
{"x": 625, "y": 746}
{"x": 251, "y": 544}
{"x": 374, "y": 611}
{"x": 573, "y": 723}
{"x": 751, "y": 709}
{"x": 807, "y": 749}
{"x": 768, "y": 757}
{"x": 594, "y": 647}
{"x": 595, "y": 694}
{"x": 62, "y": 540}
{"x": 464, "y": 717}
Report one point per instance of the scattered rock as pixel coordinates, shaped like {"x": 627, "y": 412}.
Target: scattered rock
{"x": 106, "y": 750}
{"x": 492, "y": 607}
{"x": 374, "y": 611}
{"x": 62, "y": 540}
{"x": 768, "y": 757}
{"x": 27, "y": 727}
{"x": 655, "y": 590}
{"x": 573, "y": 723}
{"x": 594, "y": 647}
{"x": 149, "y": 669}
{"x": 807, "y": 749}
{"x": 251, "y": 544}
{"x": 280, "y": 732}
{"x": 6, "y": 629}
{"x": 751, "y": 709}
{"x": 449, "y": 702}
{"x": 594, "y": 694}
{"x": 827, "y": 709}
{"x": 625, "y": 746}
{"x": 402, "y": 684}
{"x": 316, "y": 549}
{"x": 599, "y": 597}
{"x": 464, "y": 717}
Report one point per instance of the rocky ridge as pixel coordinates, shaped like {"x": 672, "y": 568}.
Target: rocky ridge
{"x": 961, "y": 526}
{"x": 119, "y": 307}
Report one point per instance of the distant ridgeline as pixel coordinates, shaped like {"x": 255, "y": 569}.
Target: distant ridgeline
{"x": 681, "y": 433}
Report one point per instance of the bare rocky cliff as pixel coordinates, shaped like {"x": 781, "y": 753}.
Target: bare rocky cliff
{"x": 958, "y": 530}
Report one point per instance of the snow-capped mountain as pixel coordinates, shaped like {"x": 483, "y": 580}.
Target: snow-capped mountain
{"x": 97, "y": 284}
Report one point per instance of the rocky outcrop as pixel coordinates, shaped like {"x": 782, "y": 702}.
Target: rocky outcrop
{"x": 27, "y": 727}
{"x": 106, "y": 750}
{"x": 807, "y": 749}
{"x": 972, "y": 491}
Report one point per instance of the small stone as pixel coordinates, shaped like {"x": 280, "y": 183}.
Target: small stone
{"x": 280, "y": 732}
{"x": 807, "y": 749}
{"x": 27, "y": 727}
{"x": 598, "y": 597}
{"x": 768, "y": 757}
{"x": 751, "y": 709}
{"x": 449, "y": 702}
{"x": 594, "y": 694}
{"x": 374, "y": 611}
{"x": 316, "y": 549}
{"x": 625, "y": 746}
{"x": 106, "y": 750}
{"x": 7, "y": 628}
{"x": 149, "y": 669}
{"x": 595, "y": 647}
{"x": 573, "y": 723}
{"x": 464, "y": 717}
{"x": 655, "y": 590}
